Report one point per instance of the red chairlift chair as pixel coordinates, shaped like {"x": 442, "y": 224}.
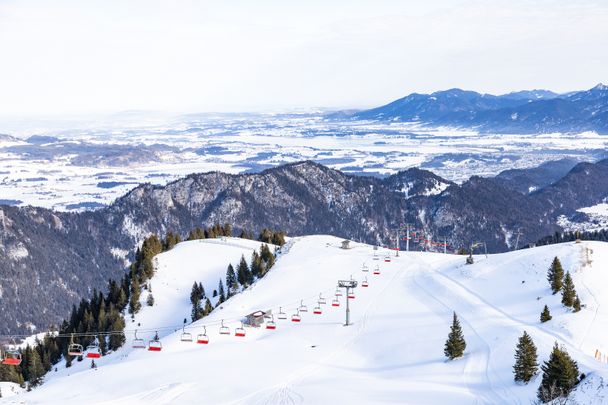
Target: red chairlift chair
{"x": 240, "y": 332}
{"x": 202, "y": 338}
{"x": 155, "y": 345}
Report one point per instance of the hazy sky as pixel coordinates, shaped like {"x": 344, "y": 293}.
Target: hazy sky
{"x": 63, "y": 57}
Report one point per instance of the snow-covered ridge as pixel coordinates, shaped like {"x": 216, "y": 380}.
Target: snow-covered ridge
{"x": 393, "y": 352}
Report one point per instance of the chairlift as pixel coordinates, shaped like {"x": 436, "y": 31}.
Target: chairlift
{"x": 296, "y": 317}
{"x": 270, "y": 324}
{"x": 93, "y": 350}
{"x": 364, "y": 269}
{"x": 202, "y": 338}
{"x": 364, "y": 283}
{"x": 138, "y": 343}
{"x": 335, "y": 302}
{"x": 317, "y": 310}
{"x": 11, "y": 357}
{"x": 322, "y": 300}
{"x": 281, "y": 314}
{"x": 387, "y": 258}
{"x": 351, "y": 295}
{"x": 240, "y": 332}
{"x": 224, "y": 330}
{"x": 338, "y": 292}
{"x": 303, "y": 308}
{"x": 155, "y": 345}
{"x": 186, "y": 336}
{"x": 377, "y": 271}
{"x": 74, "y": 349}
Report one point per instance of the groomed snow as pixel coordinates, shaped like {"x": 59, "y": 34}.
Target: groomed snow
{"x": 393, "y": 352}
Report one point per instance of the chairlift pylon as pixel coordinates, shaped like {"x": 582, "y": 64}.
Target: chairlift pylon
{"x": 202, "y": 338}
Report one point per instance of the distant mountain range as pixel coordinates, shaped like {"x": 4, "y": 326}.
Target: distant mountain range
{"x": 50, "y": 260}
{"x": 534, "y": 111}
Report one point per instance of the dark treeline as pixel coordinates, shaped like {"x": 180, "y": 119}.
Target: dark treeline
{"x": 557, "y": 237}
{"x": 102, "y": 314}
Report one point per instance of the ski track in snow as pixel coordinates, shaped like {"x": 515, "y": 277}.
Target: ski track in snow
{"x": 474, "y": 360}
{"x": 597, "y": 304}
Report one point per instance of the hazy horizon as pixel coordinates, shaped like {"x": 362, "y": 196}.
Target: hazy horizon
{"x": 71, "y": 58}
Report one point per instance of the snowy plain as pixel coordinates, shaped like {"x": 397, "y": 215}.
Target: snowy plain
{"x": 393, "y": 351}
{"x": 85, "y": 165}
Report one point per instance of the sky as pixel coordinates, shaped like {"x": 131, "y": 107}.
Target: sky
{"x": 99, "y": 56}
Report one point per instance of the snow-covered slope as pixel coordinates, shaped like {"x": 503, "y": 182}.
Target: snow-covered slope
{"x": 393, "y": 352}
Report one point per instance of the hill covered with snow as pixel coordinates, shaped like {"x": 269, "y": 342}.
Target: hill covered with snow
{"x": 392, "y": 352}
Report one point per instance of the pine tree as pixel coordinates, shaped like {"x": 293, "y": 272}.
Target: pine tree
{"x": 568, "y": 292}
{"x": 265, "y": 236}
{"x": 560, "y": 375}
{"x": 244, "y": 275}
{"x": 221, "y": 292}
{"x": 103, "y": 345}
{"x": 117, "y": 339}
{"x": 122, "y": 299}
{"x": 102, "y": 319}
{"x": 208, "y": 307}
{"x": 526, "y": 359}
{"x": 256, "y": 265}
{"x": 455, "y": 345}
{"x": 194, "y": 293}
{"x": 555, "y": 275}
{"x": 545, "y": 315}
{"x": 134, "y": 304}
{"x": 35, "y": 370}
{"x": 232, "y": 286}
{"x": 577, "y": 304}
{"x": 195, "y": 299}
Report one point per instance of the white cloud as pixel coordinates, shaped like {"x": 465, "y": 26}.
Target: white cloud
{"x": 97, "y": 56}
